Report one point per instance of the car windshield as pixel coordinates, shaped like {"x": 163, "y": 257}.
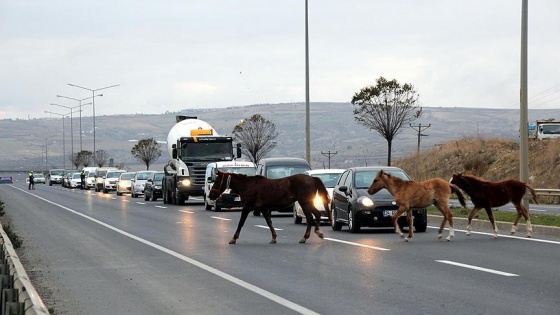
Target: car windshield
{"x": 113, "y": 174}
{"x": 76, "y": 175}
{"x": 57, "y": 172}
{"x": 128, "y": 176}
{"x": 38, "y": 176}
{"x": 329, "y": 179}
{"x": 159, "y": 176}
{"x": 250, "y": 171}
{"x": 143, "y": 175}
{"x": 91, "y": 174}
{"x": 363, "y": 179}
{"x": 282, "y": 171}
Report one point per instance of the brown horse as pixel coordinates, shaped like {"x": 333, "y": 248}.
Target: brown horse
{"x": 410, "y": 194}
{"x": 260, "y": 193}
{"x": 485, "y": 195}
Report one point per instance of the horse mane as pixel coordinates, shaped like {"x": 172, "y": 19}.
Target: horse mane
{"x": 474, "y": 178}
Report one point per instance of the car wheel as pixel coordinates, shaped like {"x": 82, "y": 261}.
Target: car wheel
{"x": 217, "y": 208}
{"x": 336, "y": 226}
{"x": 119, "y": 193}
{"x": 206, "y": 205}
{"x": 422, "y": 224}
{"x": 297, "y": 218}
{"x": 154, "y": 198}
{"x": 146, "y": 197}
{"x": 105, "y": 191}
{"x": 353, "y": 225}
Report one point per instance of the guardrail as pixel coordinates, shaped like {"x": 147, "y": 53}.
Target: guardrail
{"x": 547, "y": 192}
{"x": 17, "y": 294}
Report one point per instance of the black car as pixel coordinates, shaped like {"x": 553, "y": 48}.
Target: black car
{"x": 152, "y": 187}
{"x": 353, "y": 206}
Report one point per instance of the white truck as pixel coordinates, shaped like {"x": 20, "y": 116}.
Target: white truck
{"x": 229, "y": 199}
{"x": 547, "y": 129}
{"x": 192, "y": 144}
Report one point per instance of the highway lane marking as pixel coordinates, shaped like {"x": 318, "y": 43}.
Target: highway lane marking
{"x": 248, "y": 286}
{"x": 220, "y": 218}
{"x": 140, "y": 203}
{"x": 355, "y": 244}
{"x": 506, "y": 236}
{"x": 162, "y": 207}
{"x": 266, "y": 227}
{"x": 186, "y": 211}
{"x": 501, "y": 273}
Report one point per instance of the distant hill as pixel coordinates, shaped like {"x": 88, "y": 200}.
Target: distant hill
{"x": 333, "y": 129}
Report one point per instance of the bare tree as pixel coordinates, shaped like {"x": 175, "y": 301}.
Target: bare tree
{"x": 146, "y": 151}
{"x": 84, "y": 158}
{"x": 385, "y": 108}
{"x": 74, "y": 159}
{"x": 100, "y": 157}
{"x": 256, "y": 135}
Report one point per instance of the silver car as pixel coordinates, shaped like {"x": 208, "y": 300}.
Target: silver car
{"x": 124, "y": 184}
{"x": 138, "y": 183}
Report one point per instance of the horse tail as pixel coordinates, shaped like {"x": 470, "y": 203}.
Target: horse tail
{"x": 534, "y": 196}
{"x": 457, "y": 191}
{"x": 324, "y": 194}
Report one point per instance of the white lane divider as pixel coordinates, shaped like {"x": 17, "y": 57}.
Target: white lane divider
{"x": 186, "y": 211}
{"x": 355, "y": 244}
{"x": 497, "y": 272}
{"x": 162, "y": 207}
{"x": 266, "y": 227}
{"x": 220, "y": 218}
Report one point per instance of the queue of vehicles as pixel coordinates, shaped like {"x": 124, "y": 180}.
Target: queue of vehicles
{"x": 196, "y": 150}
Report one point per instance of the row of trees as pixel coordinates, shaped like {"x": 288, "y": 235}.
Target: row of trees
{"x": 384, "y": 108}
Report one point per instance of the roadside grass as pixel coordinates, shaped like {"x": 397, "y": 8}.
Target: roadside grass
{"x": 12, "y": 235}
{"x": 503, "y": 216}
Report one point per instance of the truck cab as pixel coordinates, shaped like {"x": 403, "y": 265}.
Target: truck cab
{"x": 227, "y": 199}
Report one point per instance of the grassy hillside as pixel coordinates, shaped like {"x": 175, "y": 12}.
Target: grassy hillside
{"x": 493, "y": 159}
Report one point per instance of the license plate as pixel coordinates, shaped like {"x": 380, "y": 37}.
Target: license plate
{"x": 390, "y": 213}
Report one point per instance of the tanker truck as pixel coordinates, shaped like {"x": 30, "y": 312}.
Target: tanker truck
{"x": 191, "y": 145}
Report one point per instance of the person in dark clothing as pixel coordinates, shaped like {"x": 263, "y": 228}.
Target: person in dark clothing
{"x": 31, "y": 181}
{"x": 83, "y": 180}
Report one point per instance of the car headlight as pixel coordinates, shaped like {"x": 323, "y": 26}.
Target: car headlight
{"x": 185, "y": 182}
{"x": 157, "y": 187}
{"x": 317, "y": 201}
{"x": 365, "y": 201}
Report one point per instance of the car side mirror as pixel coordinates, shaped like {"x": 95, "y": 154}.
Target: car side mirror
{"x": 344, "y": 189}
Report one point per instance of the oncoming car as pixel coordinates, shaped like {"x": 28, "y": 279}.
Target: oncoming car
{"x": 39, "y": 178}
{"x": 124, "y": 183}
{"x": 329, "y": 177}
{"x": 353, "y": 206}
{"x": 226, "y": 199}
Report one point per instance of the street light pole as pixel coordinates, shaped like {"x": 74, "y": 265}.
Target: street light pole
{"x": 63, "y": 138}
{"x": 83, "y": 99}
{"x": 93, "y": 100}
{"x": 71, "y": 125}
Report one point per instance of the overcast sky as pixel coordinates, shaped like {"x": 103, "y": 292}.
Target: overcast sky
{"x": 173, "y": 55}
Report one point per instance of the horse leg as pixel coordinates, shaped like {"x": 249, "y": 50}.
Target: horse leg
{"x": 447, "y": 216}
{"x": 244, "y": 214}
{"x": 308, "y": 220}
{"x": 395, "y": 217}
{"x": 410, "y": 225}
{"x": 491, "y": 218}
{"x": 266, "y": 215}
{"x": 473, "y": 212}
{"x": 525, "y": 215}
{"x": 519, "y": 211}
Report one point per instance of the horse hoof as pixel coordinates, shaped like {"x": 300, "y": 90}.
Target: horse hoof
{"x": 272, "y": 242}
{"x": 406, "y": 239}
{"x": 302, "y": 241}
{"x": 320, "y": 235}
{"x": 529, "y": 236}
{"x": 439, "y": 236}
{"x": 232, "y": 242}
{"x": 468, "y": 233}
{"x": 447, "y": 239}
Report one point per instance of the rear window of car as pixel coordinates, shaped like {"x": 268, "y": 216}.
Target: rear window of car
{"x": 284, "y": 171}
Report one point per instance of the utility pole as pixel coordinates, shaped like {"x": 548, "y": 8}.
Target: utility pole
{"x": 329, "y": 154}
{"x": 420, "y": 134}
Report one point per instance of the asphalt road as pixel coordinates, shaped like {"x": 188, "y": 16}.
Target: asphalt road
{"x": 102, "y": 254}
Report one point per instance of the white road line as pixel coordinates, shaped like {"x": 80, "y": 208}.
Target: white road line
{"x": 506, "y": 236}
{"x": 253, "y": 288}
{"x": 186, "y": 211}
{"x": 140, "y": 203}
{"x": 355, "y": 244}
{"x": 501, "y": 273}
{"x": 266, "y": 227}
{"x": 162, "y": 207}
{"x": 220, "y": 218}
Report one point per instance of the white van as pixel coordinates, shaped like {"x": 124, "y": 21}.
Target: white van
{"x": 226, "y": 200}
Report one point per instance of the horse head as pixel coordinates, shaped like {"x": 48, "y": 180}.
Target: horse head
{"x": 378, "y": 182}
{"x": 221, "y": 183}
{"x": 456, "y": 178}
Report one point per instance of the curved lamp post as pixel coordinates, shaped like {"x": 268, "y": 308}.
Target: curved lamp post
{"x": 83, "y": 99}
{"x": 93, "y": 100}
